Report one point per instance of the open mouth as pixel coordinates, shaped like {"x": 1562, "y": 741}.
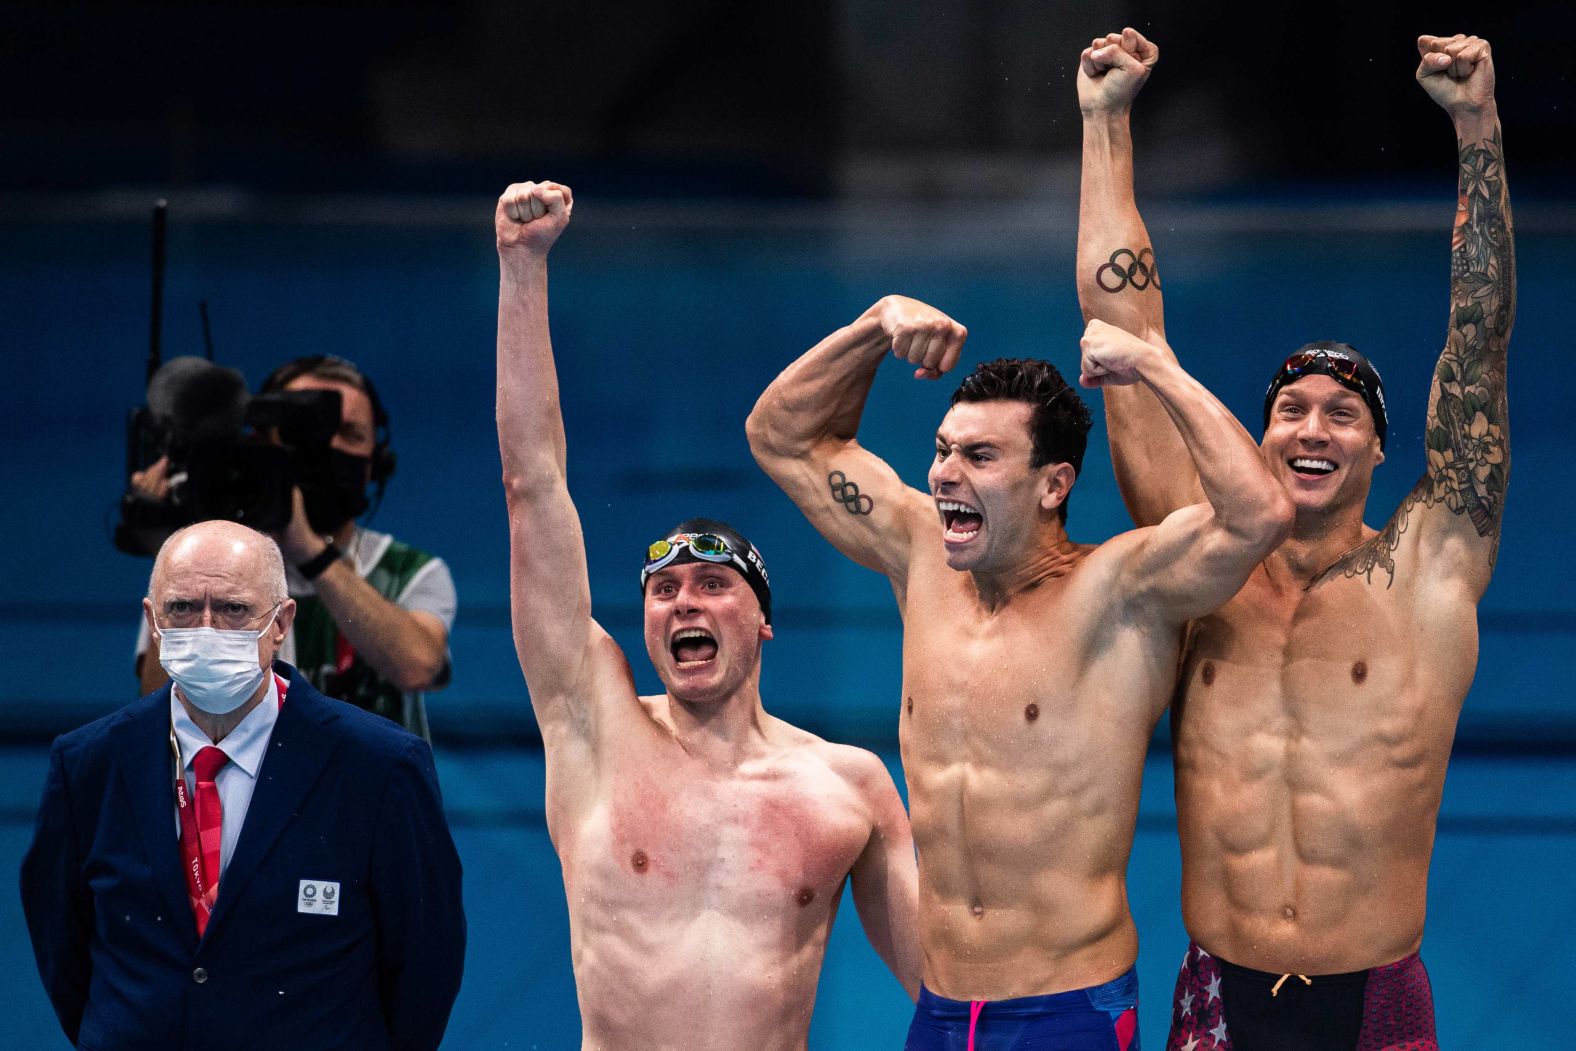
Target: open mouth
{"x": 961, "y": 521}
{"x": 1311, "y": 467}
{"x": 693, "y": 647}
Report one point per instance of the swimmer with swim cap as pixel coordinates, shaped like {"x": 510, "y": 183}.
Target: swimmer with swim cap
{"x": 704, "y": 842}
{"x": 698, "y": 540}
{"x": 1316, "y": 709}
{"x": 1344, "y": 364}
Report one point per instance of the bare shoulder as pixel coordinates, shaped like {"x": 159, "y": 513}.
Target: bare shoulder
{"x": 1100, "y": 566}
{"x": 1391, "y": 553}
{"x": 866, "y": 778}
{"x": 1119, "y": 547}
{"x": 1376, "y": 554}
{"x": 861, "y": 768}
{"x": 839, "y": 766}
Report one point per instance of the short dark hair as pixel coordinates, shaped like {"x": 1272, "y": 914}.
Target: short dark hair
{"x": 1059, "y": 425}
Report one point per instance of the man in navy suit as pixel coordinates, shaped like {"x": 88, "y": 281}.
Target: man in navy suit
{"x": 238, "y": 861}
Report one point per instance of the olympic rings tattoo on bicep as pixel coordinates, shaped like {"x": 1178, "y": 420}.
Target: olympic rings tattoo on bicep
{"x": 848, "y": 494}
{"x": 1139, "y": 271}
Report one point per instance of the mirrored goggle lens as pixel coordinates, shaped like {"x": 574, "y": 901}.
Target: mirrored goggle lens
{"x": 709, "y": 545}
{"x": 1340, "y": 368}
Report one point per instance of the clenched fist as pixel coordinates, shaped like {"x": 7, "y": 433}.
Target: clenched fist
{"x": 921, "y": 335}
{"x": 531, "y": 215}
{"x": 1112, "y": 357}
{"x": 1457, "y": 72}
{"x": 1112, "y": 71}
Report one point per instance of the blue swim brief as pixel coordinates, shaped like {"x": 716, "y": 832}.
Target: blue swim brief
{"x": 1100, "y": 1018}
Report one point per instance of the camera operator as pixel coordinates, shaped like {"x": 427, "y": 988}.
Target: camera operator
{"x": 373, "y": 617}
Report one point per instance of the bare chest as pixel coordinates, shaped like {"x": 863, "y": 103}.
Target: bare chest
{"x": 668, "y": 840}
{"x": 1027, "y": 686}
{"x": 982, "y": 685}
{"x": 1344, "y": 663}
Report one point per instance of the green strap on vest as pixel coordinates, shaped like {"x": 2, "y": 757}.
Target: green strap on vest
{"x": 317, "y": 639}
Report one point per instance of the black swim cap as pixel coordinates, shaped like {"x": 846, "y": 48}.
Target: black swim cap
{"x": 684, "y": 543}
{"x": 1344, "y": 364}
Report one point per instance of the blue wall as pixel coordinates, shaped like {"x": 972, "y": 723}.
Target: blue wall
{"x": 666, "y": 330}
{"x": 667, "y": 325}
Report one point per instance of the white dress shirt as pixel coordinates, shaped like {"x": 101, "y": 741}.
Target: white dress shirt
{"x": 246, "y": 745}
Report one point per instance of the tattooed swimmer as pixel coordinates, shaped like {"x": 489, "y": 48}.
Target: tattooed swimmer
{"x": 1034, "y": 667}
{"x": 704, "y": 843}
{"x": 1317, "y": 707}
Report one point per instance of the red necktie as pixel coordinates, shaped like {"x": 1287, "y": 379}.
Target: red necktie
{"x": 210, "y": 825}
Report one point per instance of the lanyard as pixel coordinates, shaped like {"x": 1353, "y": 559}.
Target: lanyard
{"x": 197, "y": 880}
{"x": 344, "y": 654}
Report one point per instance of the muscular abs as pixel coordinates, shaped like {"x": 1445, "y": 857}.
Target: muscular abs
{"x": 1312, "y": 735}
{"x": 1024, "y": 755}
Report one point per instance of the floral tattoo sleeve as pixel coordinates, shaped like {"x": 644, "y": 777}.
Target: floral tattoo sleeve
{"x": 1467, "y": 432}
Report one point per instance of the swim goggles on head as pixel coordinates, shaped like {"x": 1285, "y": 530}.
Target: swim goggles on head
{"x": 741, "y": 555}
{"x": 706, "y": 546}
{"x": 1322, "y": 362}
{"x": 1356, "y": 374}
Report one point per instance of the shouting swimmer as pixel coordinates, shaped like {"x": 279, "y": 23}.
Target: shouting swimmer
{"x": 704, "y": 843}
{"x": 1318, "y": 706}
{"x": 1034, "y": 667}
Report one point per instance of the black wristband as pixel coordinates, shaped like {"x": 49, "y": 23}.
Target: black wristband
{"x": 313, "y": 568}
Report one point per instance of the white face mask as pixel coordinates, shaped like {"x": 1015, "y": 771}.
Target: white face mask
{"x": 217, "y": 671}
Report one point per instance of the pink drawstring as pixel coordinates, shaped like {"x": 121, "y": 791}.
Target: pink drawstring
{"x": 975, "y": 1007}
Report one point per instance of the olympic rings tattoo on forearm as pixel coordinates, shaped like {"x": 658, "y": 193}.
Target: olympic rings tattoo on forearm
{"x": 1139, "y": 271}
{"x": 848, "y": 494}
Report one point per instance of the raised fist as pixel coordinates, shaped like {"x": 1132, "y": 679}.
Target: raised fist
{"x": 531, "y": 215}
{"x": 1457, "y": 72}
{"x": 921, "y": 335}
{"x": 1112, "y": 70}
{"x": 1112, "y": 356}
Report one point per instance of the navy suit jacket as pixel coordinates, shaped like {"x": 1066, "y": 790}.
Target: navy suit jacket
{"x": 342, "y": 796}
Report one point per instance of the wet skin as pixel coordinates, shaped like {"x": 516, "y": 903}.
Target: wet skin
{"x": 701, "y": 893}
{"x": 1314, "y": 725}
{"x": 1024, "y": 729}
{"x": 1034, "y": 667}
{"x": 704, "y": 842}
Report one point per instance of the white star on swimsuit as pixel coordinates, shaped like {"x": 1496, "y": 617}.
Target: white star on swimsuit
{"x": 1218, "y": 1033}
{"x": 1187, "y": 1002}
{"x": 1214, "y": 988}
{"x": 1191, "y": 1044}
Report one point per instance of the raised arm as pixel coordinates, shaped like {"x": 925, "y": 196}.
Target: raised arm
{"x": 549, "y": 593}
{"x": 1118, "y": 280}
{"x": 1198, "y": 556}
{"x": 802, "y": 431}
{"x": 1453, "y": 514}
{"x": 1468, "y": 428}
